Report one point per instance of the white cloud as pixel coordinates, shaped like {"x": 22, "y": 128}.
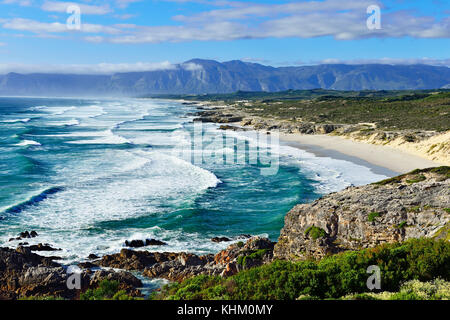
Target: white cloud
{"x": 100, "y": 68}
{"x": 22, "y": 3}
{"x": 125, "y": 3}
{"x": 392, "y": 61}
{"x": 343, "y": 20}
{"x": 189, "y": 66}
{"x": 54, "y": 6}
{"x": 56, "y": 27}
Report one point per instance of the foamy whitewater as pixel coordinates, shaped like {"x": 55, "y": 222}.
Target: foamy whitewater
{"x": 89, "y": 174}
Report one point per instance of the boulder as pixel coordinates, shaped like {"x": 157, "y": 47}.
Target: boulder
{"x": 135, "y": 243}
{"x": 42, "y": 247}
{"x": 220, "y": 239}
{"x": 154, "y": 242}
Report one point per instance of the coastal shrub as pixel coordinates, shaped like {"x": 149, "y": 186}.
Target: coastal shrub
{"x": 315, "y": 232}
{"x": 401, "y": 225}
{"x": 332, "y": 277}
{"x": 373, "y": 215}
{"x": 437, "y": 289}
{"x": 443, "y": 170}
{"x": 106, "y": 290}
{"x": 244, "y": 260}
{"x": 418, "y": 178}
{"x": 414, "y": 209}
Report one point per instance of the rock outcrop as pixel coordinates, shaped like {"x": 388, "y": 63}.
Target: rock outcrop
{"x": 177, "y": 266}
{"x": 25, "y": 274}
{"x": 412, "y": 205}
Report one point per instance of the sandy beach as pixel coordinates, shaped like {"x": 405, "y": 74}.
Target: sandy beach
{"x": 381, "y": 159}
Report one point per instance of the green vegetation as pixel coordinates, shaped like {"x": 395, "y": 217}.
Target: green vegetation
{"x": 437, "y": 289}
{"x": 244, "y": 260}
{"x": 373, "y": 215}
{"x": 447, "y": 210}
{"x": 401, "y": 225}
{"x": 392, "y": 110}
{"x": 417, "y": 178}
{"x": 332, "y": 277}
{"x": 418, "y": 173}
{"x": 107, "y": 290}
{"x": 443, "y": 233}
{"x": 315, "y": 232}
{"x": 415, "y": 209}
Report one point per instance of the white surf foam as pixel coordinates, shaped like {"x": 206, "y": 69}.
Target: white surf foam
{"x": 104, "y": 137}
{"x": 25, "y": 143}
{"x": 330, "y": 174}
{"x": 72, "y": 122}
{"x": 25, "y": 120}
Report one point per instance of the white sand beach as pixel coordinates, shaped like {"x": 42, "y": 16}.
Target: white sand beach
{"x": 395, "y": 160}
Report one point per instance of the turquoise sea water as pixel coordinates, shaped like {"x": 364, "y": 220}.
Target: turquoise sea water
{"x": 89, "y": 174}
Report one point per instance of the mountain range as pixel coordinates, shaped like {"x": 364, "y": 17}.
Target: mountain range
{"x": 199, "y": 76}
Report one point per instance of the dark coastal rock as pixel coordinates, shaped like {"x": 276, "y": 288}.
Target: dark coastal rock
{"x": 44, "y": 281}
{"x": 177, "y": 266}
{"x": 87, "y": 265}
{"x": 93, "y": 256}
{"x": 134, "y": 260}
{"x": 135, "y": 243}
{"x": 142, "y": 243}
{"x": 413, "y": 205}
{"x": 42, "y": 247}
{"x": 154, "y": 242}
{"x": 220, "y": 239}
{"x": 244, "y": 236}
{"x": 24, "y": 273}
{"x": 25, "y": 235}
{"x": 225, "y": 263}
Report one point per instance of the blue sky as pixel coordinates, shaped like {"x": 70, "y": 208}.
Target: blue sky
{"x": 128, "y": 35}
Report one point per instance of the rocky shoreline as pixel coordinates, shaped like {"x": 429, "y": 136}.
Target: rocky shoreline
{"x": 238, "y": 119}
{"x": 27, "y": 274}
{"x": 413, "y": 205}
{"x": 432, "y": 145}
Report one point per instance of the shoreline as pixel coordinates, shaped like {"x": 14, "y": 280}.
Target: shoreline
{"x": 380, "y": 159}
{"x": 395, "y": 157}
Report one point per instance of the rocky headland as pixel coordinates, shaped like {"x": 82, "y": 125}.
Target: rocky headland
{"x": 413, "y": 205}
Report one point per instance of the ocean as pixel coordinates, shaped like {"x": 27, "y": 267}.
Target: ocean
{"x": 88, "y": 174}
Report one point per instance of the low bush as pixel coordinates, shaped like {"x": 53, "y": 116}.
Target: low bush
{"x": 332, "y": 277}
{"x": 107, "y": 290}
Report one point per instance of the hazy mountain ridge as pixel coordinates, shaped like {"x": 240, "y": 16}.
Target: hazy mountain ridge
{"x": 210, "y": 76}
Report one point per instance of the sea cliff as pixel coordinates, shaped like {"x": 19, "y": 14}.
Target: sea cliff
{"x": 413, "y": 205}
